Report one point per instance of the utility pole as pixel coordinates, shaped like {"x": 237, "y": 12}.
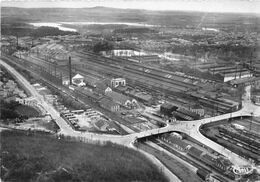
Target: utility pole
{"x": 251, "y": 121}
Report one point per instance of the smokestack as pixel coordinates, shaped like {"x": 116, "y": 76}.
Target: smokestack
{"x": 17, "y": 41}
{"x": 70, "y": 76}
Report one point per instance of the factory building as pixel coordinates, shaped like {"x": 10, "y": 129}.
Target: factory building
{"x": 236, "y": 75}
{"x": 245, "y": 81}
{"x": 176, "y": 142}
{"x": 167, "y": 109}
{"x": 142, "y": 97}
{"x": 122, "y": 100}
{"x": 109, "y": 104}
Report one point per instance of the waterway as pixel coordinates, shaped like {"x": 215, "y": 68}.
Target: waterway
{"x": 108, "y": 23}
{"x": 57, "y": 25}
{"x": 62, "y": 25}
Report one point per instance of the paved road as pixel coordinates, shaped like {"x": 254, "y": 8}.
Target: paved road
{"x": 191, "y": 128}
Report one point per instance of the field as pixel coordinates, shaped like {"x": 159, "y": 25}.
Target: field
{"x": 45, "y": 158}
{"x": 27, "y": 110}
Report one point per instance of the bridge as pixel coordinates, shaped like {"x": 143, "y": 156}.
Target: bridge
{"x": 191, "y": 128}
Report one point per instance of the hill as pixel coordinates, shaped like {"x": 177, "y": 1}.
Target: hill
{"x": 174, "y": 19}
{"x": 40, "y": 157}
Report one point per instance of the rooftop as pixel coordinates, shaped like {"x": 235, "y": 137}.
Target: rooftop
{"x": 117, "y": 97}
{"x": 78, "y": 76}
{"x": 195, "y": 152}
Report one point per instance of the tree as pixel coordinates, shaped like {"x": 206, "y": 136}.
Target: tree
{"x": 103, "y": 46}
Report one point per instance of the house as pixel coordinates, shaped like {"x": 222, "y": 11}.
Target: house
{"x": 118, "y": 82}
{"x": 78, "y": 80}
{"x": 121, "y": 99}
{"x": 103, "y": 87}
{"x": 109, "y": 104}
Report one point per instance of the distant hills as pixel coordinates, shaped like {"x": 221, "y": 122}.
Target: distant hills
{"x": 104, "y": 14}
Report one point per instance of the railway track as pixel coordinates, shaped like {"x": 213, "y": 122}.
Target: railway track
{"x": 169, "y": 149}
{"x": 133, "y": 72}
{"x": 208, "y": 168}
{"x": 138, "y": 73}
{"x": 137, "y": 66}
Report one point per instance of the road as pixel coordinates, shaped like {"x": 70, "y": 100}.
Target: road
{"x": 191, "y": 128}
{"x": 65, "y": 128}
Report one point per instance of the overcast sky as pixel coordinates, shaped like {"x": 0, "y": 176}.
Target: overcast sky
{"x": 241, "y": 6}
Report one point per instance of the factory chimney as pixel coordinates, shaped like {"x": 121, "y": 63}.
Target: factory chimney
{"x": 17, "y": 41}
{"x": 70, "y": 72}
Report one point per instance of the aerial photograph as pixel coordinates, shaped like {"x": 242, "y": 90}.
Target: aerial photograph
{"x": 130, "y": 91}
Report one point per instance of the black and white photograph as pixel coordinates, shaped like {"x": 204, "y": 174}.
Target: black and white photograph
{"x": 130, "y": 91}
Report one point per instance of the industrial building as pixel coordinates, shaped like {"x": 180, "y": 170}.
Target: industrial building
{"x": 121, "y": 99}
{"x": 236, "y": 75}
{"x": 109, "y": 104}
{"x": 244, "y": 81}
{"x": 167, "y": 109}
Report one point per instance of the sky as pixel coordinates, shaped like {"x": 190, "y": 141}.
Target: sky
{"x": 233, "y": 6}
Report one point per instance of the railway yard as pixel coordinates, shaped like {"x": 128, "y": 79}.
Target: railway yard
{"x": 242, "y": 136}
{"x": 130, "y": 93}
{"x": 156, "y": 81}
{"x": 147, "y": 88}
